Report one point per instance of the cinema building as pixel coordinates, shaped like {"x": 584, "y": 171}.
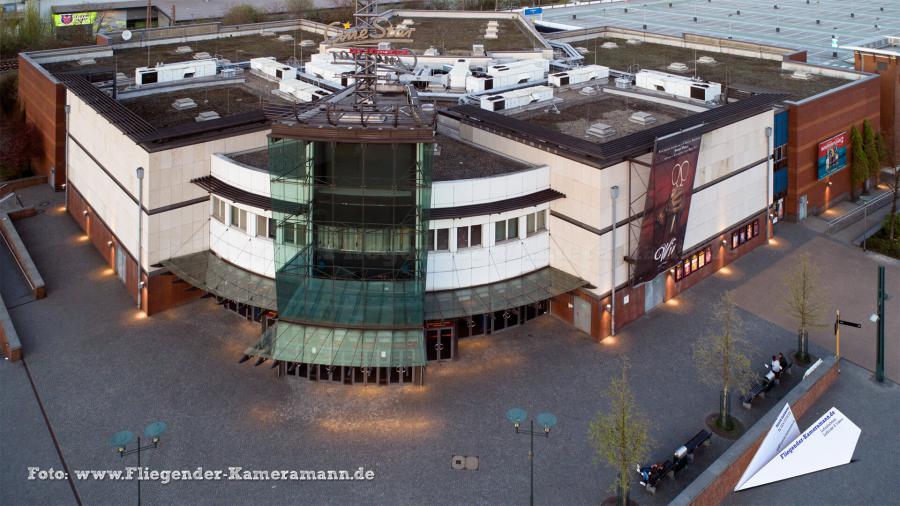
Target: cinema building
{"x": 369, "y": 228}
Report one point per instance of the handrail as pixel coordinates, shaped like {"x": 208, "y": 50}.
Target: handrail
{"x": 842, "y": 221}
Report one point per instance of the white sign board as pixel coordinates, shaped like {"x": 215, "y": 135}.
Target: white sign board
{"x": 780, "y": 435}
{"x": 829, "y": 442}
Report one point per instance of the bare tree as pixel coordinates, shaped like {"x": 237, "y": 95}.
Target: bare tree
{"x": 720, "y": 359}
{"x": 804, "y": 303}
{"x": 620, "y": 436}
{"x": 299, "y": 9}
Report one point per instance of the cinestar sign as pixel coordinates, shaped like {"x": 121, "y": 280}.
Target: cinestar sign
{"x": 786, "y": 453}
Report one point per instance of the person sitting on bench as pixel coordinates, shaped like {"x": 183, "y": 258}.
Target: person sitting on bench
{"x": 652, "y": 471}
{"x": 776, "y": 366}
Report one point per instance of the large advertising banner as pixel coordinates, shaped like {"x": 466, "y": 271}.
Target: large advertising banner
{"x": 668, "y": 203}
{"x": 74, "y": 19}
{"x": 832, "y": 155}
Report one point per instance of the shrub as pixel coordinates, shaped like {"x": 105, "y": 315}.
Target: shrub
{"x": 9, "y": 91}
{"x": 242, "y": 14}
{"x": 871, "y": 147}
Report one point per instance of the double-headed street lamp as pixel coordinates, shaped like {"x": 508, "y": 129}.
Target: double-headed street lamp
{"x": 121, "y": 440}
{"x": 547, "y": 420}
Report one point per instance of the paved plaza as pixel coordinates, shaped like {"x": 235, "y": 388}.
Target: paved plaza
{"x": 748, "y": 20}
{"x": 99, "y": 368}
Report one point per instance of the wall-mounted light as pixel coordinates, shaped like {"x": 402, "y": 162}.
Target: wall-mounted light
{"x": 608, "y": 307}
{"x": 830, "y": 184}
{"x": 672, "y": 270}
{"x": 724, "y": 242}
{"x": 84, "y": 213}
{"x": 109, "y": 244}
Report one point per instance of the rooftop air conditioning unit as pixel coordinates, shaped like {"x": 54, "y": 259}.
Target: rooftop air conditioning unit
{"x": 588, "y": 91}
{"x": 623, "y": 82}
{"x": 609, "y": 45}
{"x": 677, "y": 67}
{"x": 582, "y": 50}
{"x": 307, "y": 43}
{"x": 431, "y": 51}
{"x": 207, "y": 116}
{"x": 286, "y": 38}
{"x": 706, "y": 60}
{"x": 642, "y": 118}
{"x": 202, "y": 55}
{"x": 183, "y": 104}
{"x": 491, "y": 36}
{"x": 493, "y": 23}
{"x": 600, "y": 130}
{"x": 183, "y": 49}
{"x": 799, "y": 74}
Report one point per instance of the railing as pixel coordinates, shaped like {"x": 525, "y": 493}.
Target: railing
{"x": 862, "y": 211}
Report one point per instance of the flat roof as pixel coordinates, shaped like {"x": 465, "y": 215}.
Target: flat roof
{"x": 755, "y": 23}
{"x": 456, "y": 35}
{"x": 578, "y": 112}
{"x": 740, "y": 72}
{"x": 226, "y": 100}
{"x": 236, "y": 49}
{"x": 455, "y": 159}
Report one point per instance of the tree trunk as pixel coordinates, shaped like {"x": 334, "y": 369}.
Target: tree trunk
{"x": 621, "y": 495}
{"x": 725, "y": 409}
{"x": 803, "y": 346}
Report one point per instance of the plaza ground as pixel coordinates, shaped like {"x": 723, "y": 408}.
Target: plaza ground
{"x": 98, "y": 368}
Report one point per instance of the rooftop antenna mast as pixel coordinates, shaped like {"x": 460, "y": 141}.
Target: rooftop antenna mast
{"x": 366, "y": 73}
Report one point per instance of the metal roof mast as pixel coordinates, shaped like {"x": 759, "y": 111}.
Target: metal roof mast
{"x": 366, "y": 72}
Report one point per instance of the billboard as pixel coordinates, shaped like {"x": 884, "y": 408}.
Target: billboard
{"x": 74, "y": 19}
{"x": 832, "y": 155}
{"x": 668, "y": 202}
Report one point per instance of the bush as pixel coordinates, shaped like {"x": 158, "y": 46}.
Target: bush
{"x": 9, "y": 91}
{"x": 242, "y": 14}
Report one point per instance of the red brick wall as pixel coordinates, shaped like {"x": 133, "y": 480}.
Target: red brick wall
{"x": 161, "y": 291}
{"x": 44, "y": 103}
{"x": 626, "y": 313}
{"x": 890, "y": 94}
{"x": 813, "y": 122}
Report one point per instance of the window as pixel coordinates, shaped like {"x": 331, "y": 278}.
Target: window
{"x": 535, "y": 223}
{"x": 744, "y": 234}
{"x": 780, "y": 153}
{"x": 693, "y": 263}
{"x": 439, "y": 240}
{"x": 467, "y": 237}
{"x": 273, "y": 226}
{"x": 506, "y": 230}
{"x": 218, "y": 209}
{"x": 294, "y": 233}
{"x": 239, "y": 218}
{"x": 262, "y": 226}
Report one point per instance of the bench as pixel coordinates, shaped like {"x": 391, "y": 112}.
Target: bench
{"x": 758, "y": 390}
{"x": 682, "y": 455}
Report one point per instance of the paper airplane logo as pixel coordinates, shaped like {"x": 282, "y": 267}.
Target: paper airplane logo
{"x": 786, "y": 453}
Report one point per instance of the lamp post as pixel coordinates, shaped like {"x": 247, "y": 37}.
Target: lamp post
{"x": 68, "y": 109}
{"x": 879, "y": 325}
{"x": 547, "y": 420}
{"x": 769, "y": 191}
{"x": 140, "y": 278}
{"x": 614, "y": 194}
{"x": 120, "y": 441}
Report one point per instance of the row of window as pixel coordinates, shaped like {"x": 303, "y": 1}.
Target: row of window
{"x": 470, "y": 236}
{"x": 236, "y": 217}
{"x": 744, "y": 234}
{"x": 693, "y": 263}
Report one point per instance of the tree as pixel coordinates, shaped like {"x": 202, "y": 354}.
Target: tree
{"x": 299, "y": 8}
{"x": 620, "y": 436}
{"x": 721, "y": 360}
{"x": 859, "y": 168}
{"x": 242, "y": 14}
{"x": 803, "y": 302}
{"x": 872, "y": 152}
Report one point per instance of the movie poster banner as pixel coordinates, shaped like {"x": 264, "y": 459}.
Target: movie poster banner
{"x": 832, "y": 155}
{"x": 668, "y": 203}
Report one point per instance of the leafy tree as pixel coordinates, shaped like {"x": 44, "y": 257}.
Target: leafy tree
{"x": 859, "y": 167}
{"x": 872, "y": 153}
{"x": 620, "y": 436}
{"x": 804, "y": 303}
{"x": 721, "y": 360}
{"x": 242, "y": 14}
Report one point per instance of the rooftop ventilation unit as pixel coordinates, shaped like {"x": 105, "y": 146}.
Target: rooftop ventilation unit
{"x": 493, "y": 23}
{"x": 588, "y": 91}
{"x": 633, "y": 42}
{"x": 168, "y": 72}
{"x": 183, "y": 104}
{"x": 491, "y": 36}
{"x": 679, "y": 86}
{"x": 87, "y": 61}
{"x": 706, "y": 60}
{"x": 582, "y": 50}
{"x": 431, "y": 51}
{"x": 799, "y": 74}
{"x": 600, "y": 130}
{"x": 307, "y": 43}
{"x": 609, "y": 45}
{"x": 408, "y": 22}
{"x": 384, "y": 45}
{"x": 623, "y": 82}
{"x": 207, "y": 116}
{"x": 202, "y": 55}
{"x": 517, "y": 98}
{"x": 285, "y": 38}
{"x": 578, "y": 75}
{"x": 183, "y": 49}
{"x": 477, "y": 49}
{"x": 677, "y": 67}
{"x": 266, "y": 33}
{"x": 642, "y": 118}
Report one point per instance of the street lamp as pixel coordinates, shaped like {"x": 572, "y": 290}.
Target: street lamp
{"x": 547, "y": 420}
{"x": 120, "y": 441}
{"x": 139, "y": 173}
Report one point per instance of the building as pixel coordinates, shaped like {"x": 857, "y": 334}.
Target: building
{"x": 369, "y": 229}
{"x": 879, "y": 55}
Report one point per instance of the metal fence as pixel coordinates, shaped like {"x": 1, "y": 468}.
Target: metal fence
{"x": 861, "y": 212}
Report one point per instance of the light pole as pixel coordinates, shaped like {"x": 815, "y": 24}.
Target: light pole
{"x": 878, "y": 319}
{"x": 140, "y": 278}
{"x": 120, "y": 441}
{"x": 769, "y": 191}
{"x": 547, "y": 420}
{"x": 68, "y": 111}
{"x": 614, "y": 193}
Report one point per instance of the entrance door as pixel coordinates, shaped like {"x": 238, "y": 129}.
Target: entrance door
{"x": 582, "y": 315}
{"x": 120, "y": 263}
{"x": 439, "y": 343}
{"x": 654, "y": 292}
{"x": 801, "y": 210}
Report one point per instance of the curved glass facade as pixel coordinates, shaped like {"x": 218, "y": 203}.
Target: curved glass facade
{"x": 350, "y": 256}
